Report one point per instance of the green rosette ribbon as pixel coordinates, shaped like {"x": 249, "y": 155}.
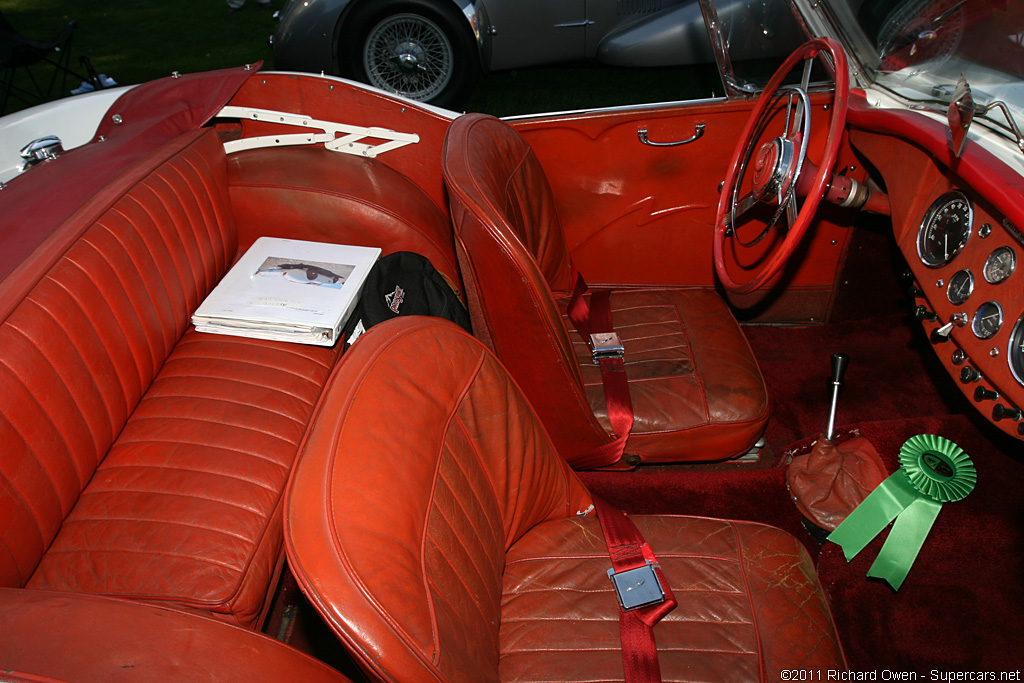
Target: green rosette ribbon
{"x": 933, "y": 471}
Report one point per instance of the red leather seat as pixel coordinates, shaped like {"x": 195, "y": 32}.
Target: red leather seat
{"x": 436, "y": 529}
{"x": 80, "y": 638}
{"x": 696, "y": 390}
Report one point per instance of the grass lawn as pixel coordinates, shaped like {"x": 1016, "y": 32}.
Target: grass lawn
{"x": 142, "y": 40}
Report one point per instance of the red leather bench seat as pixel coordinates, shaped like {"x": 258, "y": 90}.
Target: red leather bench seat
{"x": 142, "y": 459}
{"x": 85, "y": 638}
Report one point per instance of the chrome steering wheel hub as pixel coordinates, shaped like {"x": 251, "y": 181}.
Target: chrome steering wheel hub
{"x": 774, "y": 168}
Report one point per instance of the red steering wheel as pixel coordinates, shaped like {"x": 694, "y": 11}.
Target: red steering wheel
{"x": 775, "y": 166}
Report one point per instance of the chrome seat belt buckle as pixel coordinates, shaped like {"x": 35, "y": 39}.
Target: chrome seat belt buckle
{"x": 606, "y": 345}
{"x": 637, "y": 587}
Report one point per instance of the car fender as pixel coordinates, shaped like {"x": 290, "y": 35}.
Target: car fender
{"x": 306, "y": 36}
{"x": 474, "y": 12}
{"x": 671, "y": 37}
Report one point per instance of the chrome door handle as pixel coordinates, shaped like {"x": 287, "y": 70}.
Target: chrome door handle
{"x": 698, "y": 131}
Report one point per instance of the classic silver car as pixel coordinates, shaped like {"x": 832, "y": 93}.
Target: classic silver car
{"x": 434, "y": 50}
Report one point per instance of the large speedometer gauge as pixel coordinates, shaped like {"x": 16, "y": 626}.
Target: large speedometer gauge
{"x": 1015, "y": 355}
{"x": 944, "y": 231}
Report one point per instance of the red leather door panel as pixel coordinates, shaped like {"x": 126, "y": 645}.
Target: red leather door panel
{"x": 640, "y": 214}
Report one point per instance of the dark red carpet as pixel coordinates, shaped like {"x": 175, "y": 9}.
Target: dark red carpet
{"x": 962, "y": 603}
{"x": 892, "y": 375}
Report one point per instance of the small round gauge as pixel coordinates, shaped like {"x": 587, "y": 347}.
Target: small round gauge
{"x": 987, "y": 320}
{"x": 960, "y": 287}
{"x": 1015, "y": 352}
{"x": 944, "y": 231}
{"x": 999, "y": 265}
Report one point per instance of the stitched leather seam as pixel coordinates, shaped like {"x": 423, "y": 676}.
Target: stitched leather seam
{"x": 198, "y": 559}
{"x": 121, "y": 390}
{"x": 152, "y": 290}
{"x": 56, "y": 430}
{"x": 99, "y": 521}
{"x": 750, "y": 598}
{"x": 13, "y": 491}
{"x": 96, "y": 491}
{"x": 176, "y": 358}
{"x": 453, "y": 609}
{"x": 431, "y": 506}
{"x": 469, "y": 554}
{"x": 165, "y": 377}
{"x": 205, "y": 446}
{"x": 219, "y": 475}
{"x": 139, "y": 419}
{"x": 227, "y": 401}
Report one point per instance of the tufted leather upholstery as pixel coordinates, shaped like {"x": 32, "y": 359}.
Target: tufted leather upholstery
{"x": 73, "y": 637}
{"x": 696, "y": 389}
{"x": 433, "y": 524}
{"x": 142, "y": 459}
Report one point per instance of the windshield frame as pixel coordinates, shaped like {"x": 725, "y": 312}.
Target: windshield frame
{"x": 994, "y": 114}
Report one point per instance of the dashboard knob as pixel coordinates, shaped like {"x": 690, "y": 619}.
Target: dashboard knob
{"x": 983, "y": 394}
{"x": 1001, "y": 412}
{"x": 922, "y": 313}
{"x": 969, "y": 374}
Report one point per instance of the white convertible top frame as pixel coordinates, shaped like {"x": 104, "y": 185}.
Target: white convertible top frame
{"x": 337, "y": 137}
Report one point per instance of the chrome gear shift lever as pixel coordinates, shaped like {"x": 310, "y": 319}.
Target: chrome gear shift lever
{"x": 839, "y": 363}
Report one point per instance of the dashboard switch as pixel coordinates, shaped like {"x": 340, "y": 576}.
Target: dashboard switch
{"x": 941, "y": 334}
{"x": 1001, "y": 412}
{"x": 969, "y": 374}
{"x": 983, "y": 394}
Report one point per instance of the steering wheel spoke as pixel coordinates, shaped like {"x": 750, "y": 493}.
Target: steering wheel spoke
{"x": 775, "y": 165}
{"x": 791, "y": 209}
{"x": 739, "y": 208}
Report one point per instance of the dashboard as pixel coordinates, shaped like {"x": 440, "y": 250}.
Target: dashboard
{"x": 965, "y": 255}
{"x": 969, "y": 298}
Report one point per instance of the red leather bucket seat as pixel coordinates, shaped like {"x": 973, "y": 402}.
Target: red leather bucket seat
{"x": 696, "y": 389}
{"x": 436, "y": 529}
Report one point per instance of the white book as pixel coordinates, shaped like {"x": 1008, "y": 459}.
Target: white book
{"x": 288, "y": 290}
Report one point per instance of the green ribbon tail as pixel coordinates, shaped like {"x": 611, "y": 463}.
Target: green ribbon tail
{"x": 874, "y": 513}
{"x": 905, "y": 540}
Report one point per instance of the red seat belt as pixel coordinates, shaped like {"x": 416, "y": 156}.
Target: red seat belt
{"x": 591, "y": 322}
{"x": 635, "y": 568}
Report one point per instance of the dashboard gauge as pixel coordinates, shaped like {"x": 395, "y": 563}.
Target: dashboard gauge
{"x": 960, "y": 287}
{"x": 1015, "y": 352}
{"x": 987, "y": 320}
{"x": 944, "y": 231}
{"x": 1000, "y": 265}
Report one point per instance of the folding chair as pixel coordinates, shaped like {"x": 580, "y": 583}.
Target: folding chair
{"x": 20, "y": 53}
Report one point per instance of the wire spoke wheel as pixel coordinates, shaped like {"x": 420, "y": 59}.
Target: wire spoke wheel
{"x": 410, "y": 55}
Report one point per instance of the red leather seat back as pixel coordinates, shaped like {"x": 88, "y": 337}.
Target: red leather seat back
{"x": 79, "y": 351}
{"x": 515, "y": 262}
{"x": 312, "y": 193}
{"x": 423, "y": 466}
